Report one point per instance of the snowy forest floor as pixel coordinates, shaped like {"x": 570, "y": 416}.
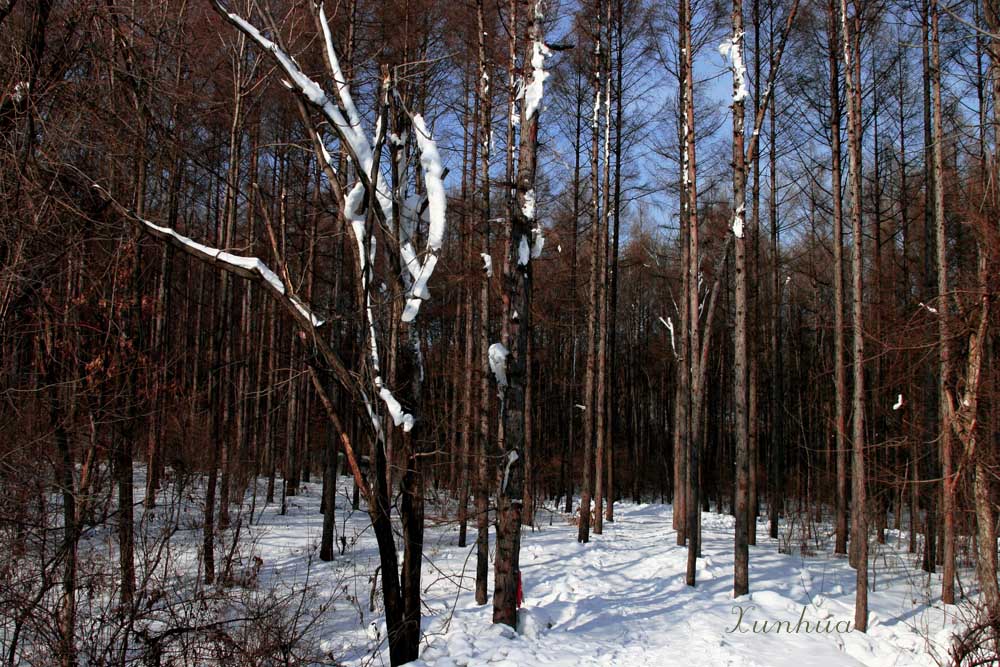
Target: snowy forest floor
{"x": 622, "y": 598}
{"x": 619, "y": 600}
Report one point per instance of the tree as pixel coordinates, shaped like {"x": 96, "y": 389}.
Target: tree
{"x": 859, "y": 523}
{"x": 510, "y": 367}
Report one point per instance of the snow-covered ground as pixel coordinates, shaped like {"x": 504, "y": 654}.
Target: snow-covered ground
{"x": 619, "y": 600}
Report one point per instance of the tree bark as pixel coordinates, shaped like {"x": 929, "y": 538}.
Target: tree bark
{"x": 741, "y": 585}
{"x": 944, "y": 309}
{"x": 517, "y": 325}
{"x": 589, "y": 400}
{"x": 859, "y": 518}
{"x": 483, "y": 481}
{"x": 839, "y": 370}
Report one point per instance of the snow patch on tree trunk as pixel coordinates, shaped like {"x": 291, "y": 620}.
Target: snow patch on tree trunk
{"x": 498, "y": 363}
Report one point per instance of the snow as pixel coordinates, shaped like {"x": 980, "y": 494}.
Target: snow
{"x": 732, "y": 50}
{"x": 430, "y": 161}
{"x": 487, "y": 264}
{"x": 512, "y": 457}
{"x": 669, "y": 324}
{"x": 538, "y": 243}
{"x": 619, "y": 601}
{"x": 399, "y": 417}
{"x": 529, "y": 204}
{"x": 899, "y": 402}
{"x": 536, "y": 89}
{"x": 21, "y": 90}
{"x": 338, "y": 75}
{"x": 929, "y": 309}
{"x": 411, "y": 309}
{"x": 498, "y": 363}
{"x": 437, "y": 202}
{"x": 738, "y": 221}
{"x": 523, "y": 251}
{"x": 312, "y": 91}
{"x": 252, "y": 264}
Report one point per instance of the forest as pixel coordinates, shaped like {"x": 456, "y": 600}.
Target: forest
{"x": 365, "y": 333}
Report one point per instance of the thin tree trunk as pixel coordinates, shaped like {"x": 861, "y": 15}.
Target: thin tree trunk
{"x": 612, "y": 411}
{"x": 517, "y": 330}
{"x": 944, "y": 339}
{"x": 741, "y": 582}
{"x": 859, "y": 518}
{"x": 682, "y": 394}
{"x": 839, "y": 369}
{"x": 464, "y": 463}
{"x": 482, "y": 480}
{"x": 593, "y": 315}
{"x": 697, "y": 364}
{"x": 602, "y": 291}
{"x": 931, "y": 388}
{"x": 66, "y": 485}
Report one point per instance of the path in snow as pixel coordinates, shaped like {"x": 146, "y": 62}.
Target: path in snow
{"x": 622, "y": 600}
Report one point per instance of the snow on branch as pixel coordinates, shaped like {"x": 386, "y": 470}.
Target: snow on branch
{"x": 523, "y": 252}
{"x": 537, "y": 233}
{"x": 538, "y": 242}
{"x": 437, "y": 203}
{"x": 248, "y": 267}
{"x": 669, "y": 324}
{"x": 366, "y": 262}
{"x": 256, "y": 270}
{"x": 738, "y": 220}
{"x": 732, "y": 50}
{"x": 343, "y": 90}
{"x": 529, "y": 205}
{"x": 511, "y": 459}
{"x": 535, "y": 90}
{"x": 430, "y": 161}
{"x": 341, "y": 114}
{"x": 498, "y": 363}
{"x": 355, "y": 140}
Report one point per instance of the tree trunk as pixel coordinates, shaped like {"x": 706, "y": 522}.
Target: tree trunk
{"x": 589, "y": 400}
{"x": 682, "y": 394}
{"x": 931, "y": 389}
{"x": 944, "y": 309}
{"x": 839, "y": 370}
{"x": 517, "y": 327}
{"x": 66, "y": 485}
{"x": 741, "y": 585}
{"x": 859, "y": 518}
{"x": 602, "y": 290}
{"x": 482, "y": 480}
{"x": 697, "y": 363}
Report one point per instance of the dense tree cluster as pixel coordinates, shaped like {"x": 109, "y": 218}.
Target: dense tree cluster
{"x": 505, "y": 252}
